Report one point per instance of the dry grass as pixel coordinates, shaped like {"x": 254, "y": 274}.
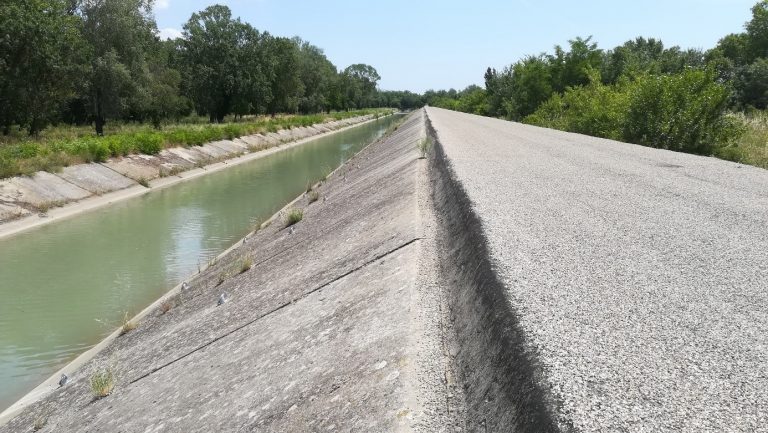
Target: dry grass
{"x": 313, "y": 196}
{"x": 294, "y": 216}
{"x": 245, "y": 264}
{"x": 752, "y": 147}
{"x": 128, "y": 324}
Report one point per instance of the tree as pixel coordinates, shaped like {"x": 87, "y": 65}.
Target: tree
{"x": 119, "y": 35}
{"x": 569, "y": 68}
{"x": 287, "y": 88}
{"x": 530, "y": 85}
{"x": 751, "y": 85}
{"x": 317, "y": 74}
{"x": 212, "y": 51}
{"x": 40, "y": 47}
{"x": 757, "y": 31}
{"x": 360, "y": 82}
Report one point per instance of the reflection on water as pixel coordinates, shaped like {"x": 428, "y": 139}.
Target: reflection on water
{"x": 66, "y": 285}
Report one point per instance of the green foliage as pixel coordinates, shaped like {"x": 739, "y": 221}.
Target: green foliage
{"x": 595, "y": 109}
{"x": 752, "y": 146}
{"x": 60, "y": 147}
{"x": 103, "y": 382}
{"x": 684, "y": 112}
{"x": 294, "y": 216}
{"x": 40, "y": 47}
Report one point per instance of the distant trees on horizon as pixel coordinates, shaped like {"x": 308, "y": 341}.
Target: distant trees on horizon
{"x": 640, "y": 92}
{"x": 91, "y": 61}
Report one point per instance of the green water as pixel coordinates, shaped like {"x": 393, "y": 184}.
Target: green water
{"x": 65, "y": 286}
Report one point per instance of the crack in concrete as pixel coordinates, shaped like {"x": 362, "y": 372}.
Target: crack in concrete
{"x": 291, "y": 302}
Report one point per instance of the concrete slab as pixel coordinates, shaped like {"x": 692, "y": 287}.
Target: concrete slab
{"x": 136, "y": 167}
{"x": 10, "y": 212}
{"x": 46, "y": 188}
{"x": 212, "y": 151}
{"x": 231, "y": 147}
{"x": 96, "y": 178}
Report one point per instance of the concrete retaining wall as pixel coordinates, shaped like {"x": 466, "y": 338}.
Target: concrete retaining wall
{"x": 26, "y": 196}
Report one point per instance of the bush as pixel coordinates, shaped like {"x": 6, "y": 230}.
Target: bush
{"x": 684, "y": 112}
{"x": 149, "y": 143}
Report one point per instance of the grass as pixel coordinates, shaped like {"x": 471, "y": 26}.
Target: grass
{"x": 40, "y": 422}
{"x": 143, "y": 182}
{"x": 61, "y": 146}
{"x": 752, "y": 147}
{"x": 128, "y": 324}
{"x": 313, "y": 196}
{"x": 424, "y": 145}
{"x": 294, "y": 216}
{"x": 246, "y": 264}
{"x": 46, "y": 206}
{"x": 103, "y": 382}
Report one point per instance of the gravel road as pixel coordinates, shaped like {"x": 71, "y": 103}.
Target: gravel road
{"x": 639, "y": 276}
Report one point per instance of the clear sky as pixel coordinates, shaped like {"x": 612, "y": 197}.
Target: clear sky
{"x": 430, "y": 44}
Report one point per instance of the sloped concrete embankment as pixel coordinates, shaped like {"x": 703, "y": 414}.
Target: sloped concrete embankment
{"x": 24, "y": 197}
{"x": 317, "y": 333}
{"x": 499, "y": 375}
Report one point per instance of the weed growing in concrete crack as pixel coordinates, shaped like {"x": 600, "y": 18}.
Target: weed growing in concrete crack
{"x": 128, "y": 324}
{"x": 166, "y": 306}
{"x": 424, "y": 146}
{"x": 313, "y": 196}
{"x": 143, "y": 182}
{"x": 245, "y": 264}
{"x": 309, "y": 187}
{"x": 294, "y": 216}
{"x": 222, "y": 277}
{"x": 103, "y": 382}
{"x": 40, "y": 421}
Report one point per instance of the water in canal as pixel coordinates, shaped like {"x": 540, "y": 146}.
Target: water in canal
{"x": 66, "y": 285}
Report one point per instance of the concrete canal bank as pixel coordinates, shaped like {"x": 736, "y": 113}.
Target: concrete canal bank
{"x": 28, "y": 202}
{"x": 335, "y": 325}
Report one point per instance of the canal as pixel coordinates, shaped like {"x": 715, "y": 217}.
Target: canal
{"x": 65, "y": 286}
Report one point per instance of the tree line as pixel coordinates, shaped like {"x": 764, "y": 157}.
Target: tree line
{"x": 640, "y": 92}
{"x": 91, "y": 61}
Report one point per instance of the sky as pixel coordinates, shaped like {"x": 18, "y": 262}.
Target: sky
{"x": 429, "y": 44}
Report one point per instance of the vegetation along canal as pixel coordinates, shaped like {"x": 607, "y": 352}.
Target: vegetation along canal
{"x": 67, "y": 285}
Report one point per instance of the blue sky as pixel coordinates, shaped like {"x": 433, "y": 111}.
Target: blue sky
{"x": 423, "y": 44}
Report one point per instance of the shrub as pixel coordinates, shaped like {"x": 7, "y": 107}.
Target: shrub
{"x": 149, "y": 143}
{"x": 684, "y": 112}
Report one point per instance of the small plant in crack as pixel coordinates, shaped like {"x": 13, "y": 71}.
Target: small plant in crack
{"x": 103, "y": 382}
{"x": 128, "y": 324}
{"x": 246, "y": 264}
{"x": 294, "y": 216}
{"x": 424, "y": 146}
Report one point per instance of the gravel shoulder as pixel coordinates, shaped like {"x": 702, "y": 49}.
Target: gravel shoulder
{"x": 636, "y": 278}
